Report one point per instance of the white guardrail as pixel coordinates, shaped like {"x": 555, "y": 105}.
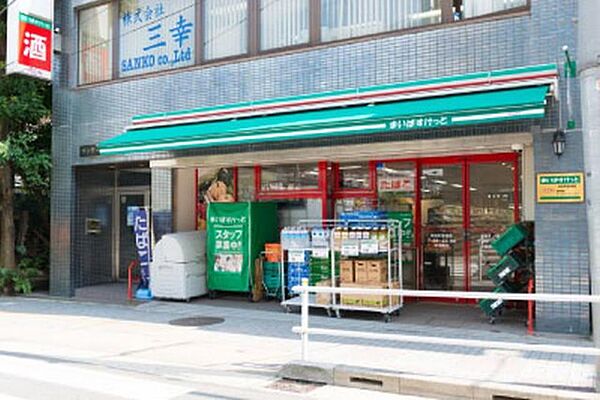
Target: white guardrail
{"x": 305, "y": 331}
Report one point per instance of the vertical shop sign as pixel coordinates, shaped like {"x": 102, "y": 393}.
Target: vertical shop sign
{"x": 142, "y": 244}
{"x": 29, "y": 38}
{"x": 156, "y": 35}
{"x": 229, "y": 235}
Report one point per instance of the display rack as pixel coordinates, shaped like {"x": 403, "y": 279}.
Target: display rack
{"x": 340, "y": 244}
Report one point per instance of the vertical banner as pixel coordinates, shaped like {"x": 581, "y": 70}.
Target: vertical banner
{"x": 141, "y": 228}
{"x": 29, "y": 38}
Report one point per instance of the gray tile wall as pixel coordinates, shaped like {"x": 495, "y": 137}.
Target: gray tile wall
{"x": 89, "y": 115}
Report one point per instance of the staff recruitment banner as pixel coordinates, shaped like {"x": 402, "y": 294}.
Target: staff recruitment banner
{"x": 29, "y": 38}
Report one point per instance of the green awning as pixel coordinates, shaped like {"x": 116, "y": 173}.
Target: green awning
{"x": 428, "y": 113}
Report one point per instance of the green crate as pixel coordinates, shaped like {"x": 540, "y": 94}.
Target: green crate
{"x": 509, "y": 239}
{"x": 271, "y": 267}
{"x": 491, "y": 307}
{"x": 504, "y": 269}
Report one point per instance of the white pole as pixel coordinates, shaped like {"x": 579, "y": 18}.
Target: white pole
{"x": 304, "y": 319}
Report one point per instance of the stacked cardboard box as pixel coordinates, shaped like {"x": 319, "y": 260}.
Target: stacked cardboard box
{"x": 325, "y": 298}
{"x": 367, "y": 300}
{"x": 364, "y": 271}
{"x": 347, "y": 271}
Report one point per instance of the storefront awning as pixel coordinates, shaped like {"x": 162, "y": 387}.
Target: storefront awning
{"x": 400, "y": 116}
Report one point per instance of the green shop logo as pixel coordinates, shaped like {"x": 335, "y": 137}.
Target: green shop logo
{"x": 560, "y": 180}
{"x": 419, "y": 123}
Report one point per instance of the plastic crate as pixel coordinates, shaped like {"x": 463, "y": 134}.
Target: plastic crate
{"x": 504, "y": 269}
{"x": 491, "y": 307}
{"x": 509, "y": 239}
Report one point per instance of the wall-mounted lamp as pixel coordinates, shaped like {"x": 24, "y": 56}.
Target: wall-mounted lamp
{"x": 559, "y": 142}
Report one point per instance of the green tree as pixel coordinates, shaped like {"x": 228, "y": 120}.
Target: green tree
{"x": 25, "y": 106}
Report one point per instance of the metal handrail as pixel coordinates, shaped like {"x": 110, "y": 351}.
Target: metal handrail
{"x": 304, "y": 329}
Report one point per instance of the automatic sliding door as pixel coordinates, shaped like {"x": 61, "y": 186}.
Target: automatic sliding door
{"x": 442, "y": 230}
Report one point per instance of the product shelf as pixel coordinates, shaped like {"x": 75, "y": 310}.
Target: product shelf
{"x": 390, "y": 258}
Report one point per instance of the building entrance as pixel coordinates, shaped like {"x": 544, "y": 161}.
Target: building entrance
{"x": 464, "y": 202}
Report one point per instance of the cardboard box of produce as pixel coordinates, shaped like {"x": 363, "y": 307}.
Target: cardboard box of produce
{"x": 325, "y": 298}
{"x": 377, "y": 272}
{"x": 367, "y": 300}
{"x": 347, "y": 271}
{"x": 361, "y": 268}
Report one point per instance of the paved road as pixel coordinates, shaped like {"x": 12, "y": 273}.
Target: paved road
{"x": 64, "y": 350}
{"x": 53, "y": 349}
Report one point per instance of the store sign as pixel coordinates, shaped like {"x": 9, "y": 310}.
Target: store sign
{"x": 420, "y": 123}
{"x": 156, "y": 35}
{"x": 441, "y": 240}
{"x": 141, "y": 228}
{"x": 560, "y": 188}
{"x": 228, "y": 239}
{"x": 396, "y": 184}
{"x": 29, "y": 38}
{"x": 406, "y": 224}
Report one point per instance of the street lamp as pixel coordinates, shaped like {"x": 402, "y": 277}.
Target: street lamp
{"x": 559, "y": 141}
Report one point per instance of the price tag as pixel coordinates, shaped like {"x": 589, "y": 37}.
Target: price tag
{"x": 296, "y": 256}
{"x": 369, "y": 247}
{"x": 350, "y": 248}
{"x": 320, "y": 252}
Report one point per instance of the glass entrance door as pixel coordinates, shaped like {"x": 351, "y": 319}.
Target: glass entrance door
{"x": 465, "y": 202}
{"x": 493, "y": 207}
{"x": 442, "y": 221}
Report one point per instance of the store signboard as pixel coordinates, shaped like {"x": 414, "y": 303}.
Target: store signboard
{"x": 156, "y": 35}
{"x": 441, "y": 240}
{"x": 560, "y": 187}
{"x": 406, "y": 224}
{"x": 29, "y": 38}
{"x": 227, "y": 237}
{"x": 396, "y": 184}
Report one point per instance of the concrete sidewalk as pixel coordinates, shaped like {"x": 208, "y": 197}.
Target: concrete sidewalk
{"x": 261, "y": 342}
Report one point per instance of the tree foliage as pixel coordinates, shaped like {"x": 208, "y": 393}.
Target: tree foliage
{"x": 25, "y": 111}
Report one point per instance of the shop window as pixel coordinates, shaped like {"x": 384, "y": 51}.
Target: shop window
{"x": 225, "y": 28}
{"x": 283, "y": 23}
{"x": 353, "y": 204}
{"x": 214, "y": 185}
{"x": 396, "y": 194}
{"x": 95, "y": 44}
{"x": 353, "y": 176}
{"x": 292, "y": 177}
{"x": 292, "y": 211}
{"x": 396, "y": 186}
{"x": 464, "y": 9}
{"x": 342, "y": 19}
{"x": 162, "y": 33}
{"x": 245, "y": 184}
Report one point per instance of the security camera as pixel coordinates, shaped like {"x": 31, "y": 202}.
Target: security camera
{"x": 517, "y": 147}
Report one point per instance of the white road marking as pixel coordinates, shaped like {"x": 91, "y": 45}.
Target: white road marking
{"x": 86, "y": 379}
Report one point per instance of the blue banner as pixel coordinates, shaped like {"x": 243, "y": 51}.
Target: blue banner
{"x": 141, "y": 229}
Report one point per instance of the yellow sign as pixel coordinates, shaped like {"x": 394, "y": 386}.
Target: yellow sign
{"x": 560, "y": 188}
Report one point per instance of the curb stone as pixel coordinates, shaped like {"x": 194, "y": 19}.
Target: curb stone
{"x": 425, "y": 386}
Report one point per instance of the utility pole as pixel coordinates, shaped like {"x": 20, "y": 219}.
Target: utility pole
{"x": 589, "y": 72}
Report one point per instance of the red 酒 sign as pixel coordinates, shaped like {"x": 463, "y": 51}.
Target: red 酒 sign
{"x": 35, "y": 42}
